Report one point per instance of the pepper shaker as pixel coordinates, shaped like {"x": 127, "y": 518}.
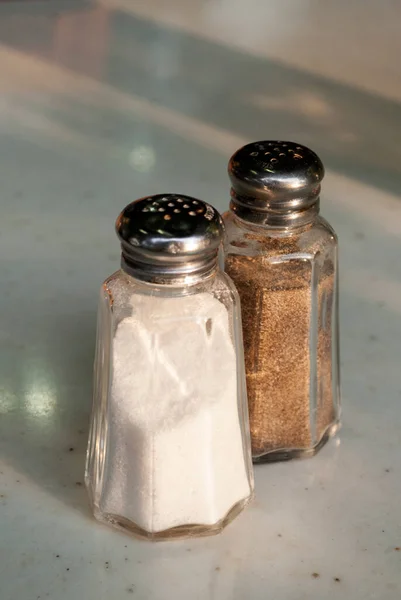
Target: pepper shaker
{"x": 169, "y": 449}
{"x": 282, "y": 257}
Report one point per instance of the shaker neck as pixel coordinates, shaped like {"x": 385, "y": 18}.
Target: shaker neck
{"x": 191, "y": 272}
{"x": 291, "y": 217}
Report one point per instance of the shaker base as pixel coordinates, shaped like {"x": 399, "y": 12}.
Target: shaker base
{"x": 289, "y": 454}
{"x": 180, "y": 532}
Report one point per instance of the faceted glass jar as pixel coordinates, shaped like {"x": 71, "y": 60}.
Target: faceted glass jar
{"x": 169, "y": 452}
{"x": 287, "y": 279}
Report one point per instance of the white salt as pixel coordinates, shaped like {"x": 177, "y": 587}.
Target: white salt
{"x": 175, "y": 452}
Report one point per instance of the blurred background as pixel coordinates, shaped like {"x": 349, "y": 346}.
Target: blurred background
{"x": 103, "y": 102}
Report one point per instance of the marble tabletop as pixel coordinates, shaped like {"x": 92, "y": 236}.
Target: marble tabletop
{"x": 103, "y": 102}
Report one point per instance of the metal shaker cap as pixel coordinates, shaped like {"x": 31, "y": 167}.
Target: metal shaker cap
{"x": 169, "y": 238}
{"x": 276, "y": 183}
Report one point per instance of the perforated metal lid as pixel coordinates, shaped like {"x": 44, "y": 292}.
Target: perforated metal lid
{"x": 168, "y": 237}
{"x": 275, "y": 182}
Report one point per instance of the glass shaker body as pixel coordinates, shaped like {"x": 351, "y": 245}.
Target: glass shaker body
{"x": 169, "y": 451}
{"x": 287, "y": 281}
{"x": 285, "y": 267}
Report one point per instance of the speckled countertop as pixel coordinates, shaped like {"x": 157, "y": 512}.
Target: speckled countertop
{"x": 102, "y": 103}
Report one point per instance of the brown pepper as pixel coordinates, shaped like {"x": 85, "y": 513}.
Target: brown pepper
{"x": 282, "y": 257}
{"x": 276, "y": 300}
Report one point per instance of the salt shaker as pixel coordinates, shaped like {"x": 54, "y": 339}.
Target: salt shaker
{"x": 169, "y": 449}
{"x": 282, "y": 257}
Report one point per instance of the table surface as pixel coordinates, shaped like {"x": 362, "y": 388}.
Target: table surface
{"x": 103, "y": 103}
